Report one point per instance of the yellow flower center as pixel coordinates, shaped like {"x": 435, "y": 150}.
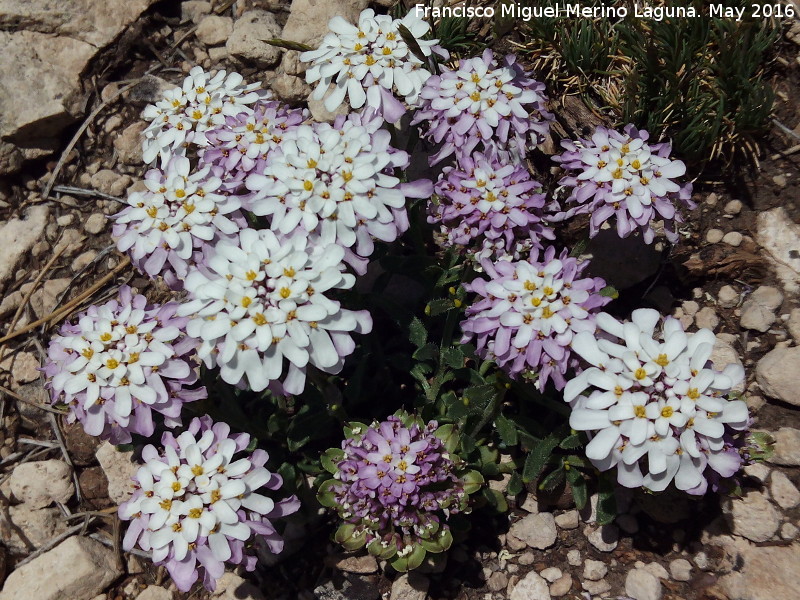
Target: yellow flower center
{"x": 176, "y": 487}
{"x": 88, "y": 353}
{"x": 197, "y": 470}
{"x": 547, "y": 290}
{"x": 216, "y": 495}
{"x": 636, "y": 164}
{"x": 617, "y": 174}
{"x": 260, "y": 319}
{"x": 529, "y": 285}
{"x": 475, "y": 96}
{"x": 285, "y": 292}
{"x": 165, "y": 504}
{"x": 693, "y": 393}
{"x": 662, "y": 360}
{"x": 639, "y": 411}
{"x": 369, "y": 61}
{"x": 625, "y": 149}
{"x": 195, "y": 513}
{"x": 667, "y": 412}
{"x": 311, "y": 163}
{"x": 547, "y": 313}
{"x": 387, "y": 51}
{"x": 152, "y": 212}
{"x": 133, "y": 358}
{"x": 640, "y": 373}
{"x": 251, "y": 275}
{"x": 357, "y": 47}
{"x": 180, "y": 193}
{"x": 402, "y": 465}
{"x": 247, "y": 301}
{"x": 290, "y": 272}
{"x": 308, "y": 185}
{"x": 112, "y": 363}
{"x": 536, "y": 301}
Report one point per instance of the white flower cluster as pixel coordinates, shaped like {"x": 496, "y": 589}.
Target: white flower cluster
{"x": 331, "y": 181}
{"x": 179, "y": 213}
{"x": 262, "y": 299}
{"x": 184, "y": 113}
{"x": 364, "y": 60}
{"x": 653, "y": 395}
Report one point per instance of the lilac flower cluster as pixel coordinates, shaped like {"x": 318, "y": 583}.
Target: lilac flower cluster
{"x": 530, "y": 311}
{"x": 495, "y": 204}
{"x": 620, "y": 175}
{"x": 196, "y": 507}
{"x": 483, "y": 105}
{"x": 120, "y": 362}
{"x": 656, "y": 409}
{"x": 394, "y": 485}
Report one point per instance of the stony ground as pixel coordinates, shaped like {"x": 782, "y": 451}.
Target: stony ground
{"x": 74, "y": 77}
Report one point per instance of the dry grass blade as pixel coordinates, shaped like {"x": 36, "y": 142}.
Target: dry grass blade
{"x": 19, "y": 398}
{"x": 72, "y": 304}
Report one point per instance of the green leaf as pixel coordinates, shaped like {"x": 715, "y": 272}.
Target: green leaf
{"x": 515, "y": 485}
{"x": 381, "y": 552}
{"x": 438, "y": 306}
{"x": 606, "y": 499}
{"x": 417, "y": 333}
{"x": 553, "y": 480}
{"x": 507, "y": 430}
{"x": 473, "y": 481}
{"x": 453, "y": 357}
{"x": 578, "y": 485}
{"x": 330, "y": 458}
{"x": 412, "y": 43}
{"x": 426, "y": 352}
{"x": 410, "y": 561}
{"x": 440, "y": 542}
{"x": 311, "y": 422}
{"x": 495, "y": 499}
{"x": 537, "y": 458}
{"x": 572, "y": 441}
{"x": 610, "y": 292}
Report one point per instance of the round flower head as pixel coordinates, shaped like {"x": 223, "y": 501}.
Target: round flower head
{"x": 655, "y": 408}
{"x": 260, "y": 299}
{"x": 196, "y": 507}
{"x": 528, "y": 313}
{"x": 371, "y": 63}
{"x": 394, "y": 485}
{"x": 489, "y": 205}
{"x": 163, "y": 227}
{"x": 620, "y": 175}
{"x": 336, "y": 182}
{"x": 120, "y": 362}
{"x": 184, "y": 113}
{"x": 248, "y": 138}
{"x": 484, "y": 106}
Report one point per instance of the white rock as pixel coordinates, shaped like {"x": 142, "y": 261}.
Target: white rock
{"x": 734, "y": 207}
{"x": 768, "y": 296}
{"x": 322, "y": 114}
{"x": 641, "y": 585}
{"x": 758, "y": 471}
{"x": 574, "y": 558}
{"x": 532, "y": 587}
{"x": 778, "y": 374}
{"x": 154, "y": 592}
{"x": 707, "y": 318}
{"x": 537, "y": 531}
{"x": 365, "y": 563}
{"x": 793, "y": 324}
{"x": 725, "y": 354}
{"x": 780, "y": 238}
{"x": 29, "y": 528}
{"x": 605, "y": 538}
{"x": 194, "y": 10}
{"x": 727, "y": 297}
{"x": 596, "y": 588}
{"x": 246, "y": 42}
{"x": 562, "y": 586}
{"x": 680, "y": 569}
{"x": 23, "y": 367}
{"x": 755, "y": 316}
{"x": 752, "y": 516}
{"x": 232, "y": 587}
{"x": 214, "y": 30}
{"x": 789, "y": 531}
{"x": 551, "y": 574}
{"x": 767, "y": 573}
{"x": 568, "y": 520}
{"x": 40, "y": 483}
{"x": 594, "y": 570}
{"x": 783, "y": 491}
{"x": 19, "y": 236}
{"x": 714, "y": 236}
{"x": 410, "y": 586}
{"x": 128, "y": 143}
{"x": 656, "y": 570}
{"x": 77, "y": 569}
{"x": 531, "y": 505}
{"x": 290, "y": 87}
{"x": 308, "y": 19}
{"x": 733, "y": 238}
{"x": 787, "y": 447}
{"x": 690, "y": 307}
{"x": 118, "y": 469}
{"x": 95, "y": 223}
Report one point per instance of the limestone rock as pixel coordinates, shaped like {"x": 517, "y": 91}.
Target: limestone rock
{"x": 214, "y": 30}
{"x": 605, "y": 538}
{"x": 308, "y": 19}
{"x": 39, "y": 483}
{"x": 725, "y": 354}
{"x": 410, "y": 586}
{"x": 19, "y": 236}
{"x": 787, "y": 447}
{"x": 778, "y": 374}
{"x": 594, "y": 570}
{"x": 363, "y": 564}
{"x": 537, "y": 530}
{"x": 118, "y": 469}
{"x": 562, "y": 586}
{"x": 680, "y": 569}
{"x": 95, "y": 223}
{"x": 154, "y": 592}
{"x": 769, "y": 573}
{"x": 780, "y": 238}
{"x": 78, "y": 568}
{"x": 756, "y": 317}
{"x": 752, "y": 516}
{"x": 246, "y": 42}
{"x": 10, "y": 158}
{"x": 232, "y": 587}
{"x": 568, "y": 520}
{"x": 532, "y": 587}
{"x": 642, "y": 585}
{"x": 128, "y": 144}
{"x": 783, "y": 491}
{"x": 30, "y": 528}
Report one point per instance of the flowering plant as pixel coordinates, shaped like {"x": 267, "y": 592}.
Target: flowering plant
{"x": 371, "y": 63}
{"x": 483, "y": 105}
{"x": 120, "y": 362}
{"x": 652, "y": 393}
{"x": 528, "y": 313}
{"x": 196, "y": 508}
{"x": 620, "y": 175}
{"x": 394, "y": 485}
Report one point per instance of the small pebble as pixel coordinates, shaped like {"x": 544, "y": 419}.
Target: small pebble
{"x": 727, "y": 297}
{"x": 732, "y": 238}
{"x": 568, "y": 520}
{"x": 706, "y": 318}
{"x": 714, "y": 236}
{"x": 526, "y": 558}
{"x": 788, "y": 531}
{"x": 562, "y": 586}
{"x": 734, "y": 207}
{"x": 712, "y": 199}
{"x": 65, "y": 220}
{"x": 680, "y": 569}
{"x": 574, "y": 558}
{"x": 95, "y": 223}
{"x": 594, "y": 570}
